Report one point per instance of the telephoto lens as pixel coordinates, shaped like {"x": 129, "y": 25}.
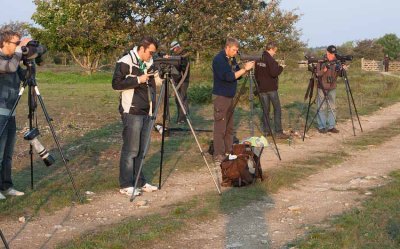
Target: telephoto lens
{"x": 31, "y": 136}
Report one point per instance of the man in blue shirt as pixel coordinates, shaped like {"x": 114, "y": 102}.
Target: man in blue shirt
{"x": 226, "y": 72}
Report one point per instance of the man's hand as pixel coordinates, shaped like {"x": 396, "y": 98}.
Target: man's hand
{"x": 144, "y": 78}
{"x": 344, "y": 66}
{"x": 249, "y": 65}
{"x": 25, "y": 41}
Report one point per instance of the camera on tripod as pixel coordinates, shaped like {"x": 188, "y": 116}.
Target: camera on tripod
{"x": 31, "y": 136}
{"x": 168, "y": 65}
{"x": 247, "y": 57}
{"x": 33, "y": 51}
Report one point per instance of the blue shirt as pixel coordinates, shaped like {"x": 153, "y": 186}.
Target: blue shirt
{"x": 225, "y": 82}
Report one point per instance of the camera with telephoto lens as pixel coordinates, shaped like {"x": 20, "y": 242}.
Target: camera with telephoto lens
{"x": 247, "y": 57}
{"x": 33, "y": 51}
{"x": 344, "y": 58}
{"x": 31, "y": 136}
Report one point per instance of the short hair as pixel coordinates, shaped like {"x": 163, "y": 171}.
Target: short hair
{"x": 231, "y": 42}
{"x": 271, "y": 45}
{"x": 7, "y": 35}
{"x": 146, "y": 41}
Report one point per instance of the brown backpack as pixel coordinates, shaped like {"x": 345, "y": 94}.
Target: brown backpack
{"x": 236, "y": 172}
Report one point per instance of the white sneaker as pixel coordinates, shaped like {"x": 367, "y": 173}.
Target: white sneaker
{"x": 2, "y": 197}
{"x": 149, "y": 188}
{"x": 128, "y": 191}
{"x": 13, "y": 192}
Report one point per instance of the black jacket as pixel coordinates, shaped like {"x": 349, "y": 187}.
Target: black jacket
{"x": 134, "y": 96}
{"x": 267, "y": 72}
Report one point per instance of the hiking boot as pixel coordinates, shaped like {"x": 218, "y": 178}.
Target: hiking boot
{"x": 149, "y": 188}
{"x": 13, "y": 192}
{"x": 322, "y": 131}
{"x": 2, "y": 197}
{"x": 282, "y": 135}
{"x": 333, "y": 130}
{"x": 129, "y": 190}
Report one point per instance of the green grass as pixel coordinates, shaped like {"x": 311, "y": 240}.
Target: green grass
{"x": 376, "y": 224}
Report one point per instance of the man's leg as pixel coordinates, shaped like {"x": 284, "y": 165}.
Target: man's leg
{"x": 7, "y": 143}
{"x": 183, "y": 94}
{"x": 274, "y": 97}
{"x": 264, "y": 97}
{"x": 221, "y": 105}
{"x": 332, "y": 110}
{"x": 228, "y": 139}
{"x": 321, "y": 117}
{"x": 130, "y": 149}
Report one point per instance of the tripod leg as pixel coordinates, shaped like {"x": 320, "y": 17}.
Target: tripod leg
{"x": 164, "y": 92}
{"x": 308, "y": 113}
{"x": 346, "y": 81}
{"x": 251, "y": 100}
{"x": 194, "y": 134}
{"x": 4, "y": 240}
{"x": 350, "y": 110}
{"x": 147, "y": 144}
{"x": 48, "y": 119}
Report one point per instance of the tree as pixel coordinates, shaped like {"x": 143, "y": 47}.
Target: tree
{"x": 84, "y": 28}
{"x": 368, "y": 49}
{"x": 391, "y": 45}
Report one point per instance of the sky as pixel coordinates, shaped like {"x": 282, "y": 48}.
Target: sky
{"x": 322, "y": 22}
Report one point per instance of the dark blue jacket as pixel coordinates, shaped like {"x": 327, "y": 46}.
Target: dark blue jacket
{"x": 224, "y": 75}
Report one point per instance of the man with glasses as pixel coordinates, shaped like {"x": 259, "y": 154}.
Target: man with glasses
{"x": 10, "y": 79}
{"x": 225, "y": 72}
{"x": 137, "y": 103}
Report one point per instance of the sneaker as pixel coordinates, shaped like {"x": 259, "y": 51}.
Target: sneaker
{"x": 323, "y": 130}
{"x": 333, "y": 130}
{"x": 149, "y": 188}
{"x": 13, "y": 192}
{"x": 282, "y": 135}
{"x": 128, "y": 191}
{"x": 2, "y": 197}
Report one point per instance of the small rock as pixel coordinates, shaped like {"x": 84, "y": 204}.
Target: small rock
{"x": 89, "y": 193}
{"x": 22, "y": 219}
{"x": 294, "y": 208}
{"x": 253, "y": 236}
{"x": 57, "y": 226}
{"x": 264, "y": 242}
{"x": 48, "y": 235}
{"x": 368, "y": 193}
{"x": 141, "y": 203}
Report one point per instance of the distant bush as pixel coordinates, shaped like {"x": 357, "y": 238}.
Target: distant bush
{"x": 200, "y": 94}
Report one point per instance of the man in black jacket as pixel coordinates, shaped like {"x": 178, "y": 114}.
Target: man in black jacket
{"x": 10, "y": 79}
{"x": 137, "y": 103}
{"x": 267, "y": 73}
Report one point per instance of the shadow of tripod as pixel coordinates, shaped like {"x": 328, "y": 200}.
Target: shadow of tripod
{"x": 31, "y": 135}
{"x": 312, "y": 66}
{"x": 165, "y": 69}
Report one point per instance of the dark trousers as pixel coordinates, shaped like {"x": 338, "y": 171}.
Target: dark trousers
{"x": 183, "y": 94}
{"x": 7, "y": 143}
{"x": 273, "y": 98}
{"x": 134, "y": 135}
{"x": 223, "y": 126}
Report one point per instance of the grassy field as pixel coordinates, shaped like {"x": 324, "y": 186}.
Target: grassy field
{"x": 84, "y": 110}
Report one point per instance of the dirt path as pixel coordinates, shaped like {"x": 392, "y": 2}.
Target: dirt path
{"x": 275, "y": 220}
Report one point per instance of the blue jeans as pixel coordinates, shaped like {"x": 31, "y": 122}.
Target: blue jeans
{"x": 7, "y": 143}
{"x": 327, "y": 112}
{"x": 134, "y": 135}
{"x": 267, "y": 98}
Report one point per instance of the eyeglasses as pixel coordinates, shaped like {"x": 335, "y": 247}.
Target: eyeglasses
{"x": 16, "y": 43}
{"x": 152, "y": 52}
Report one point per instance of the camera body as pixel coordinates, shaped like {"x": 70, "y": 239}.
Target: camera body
{"x": 168, "y": 65}
{"x": 33, "y": 51}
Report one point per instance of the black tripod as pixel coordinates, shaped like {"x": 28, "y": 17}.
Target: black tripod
{"x": 253, "y": 82}
{"x": 168, "y": 80}
{"x": 4, "y": 240}
{"x": 34, "y": 94}
{"x": 309, "y": 94}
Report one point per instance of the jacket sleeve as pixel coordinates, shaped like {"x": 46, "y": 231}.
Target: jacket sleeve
{"x": 120, "y": 80}
{"x": 274, "y": 69}
{"x": 10, "y": 65}
{"x": 223, "y": 71}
